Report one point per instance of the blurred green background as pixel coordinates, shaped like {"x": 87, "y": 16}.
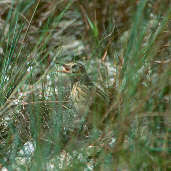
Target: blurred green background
{"x": 125, "y": 47}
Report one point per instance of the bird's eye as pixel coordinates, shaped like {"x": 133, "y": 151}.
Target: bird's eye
{"x": 74, "y": 66}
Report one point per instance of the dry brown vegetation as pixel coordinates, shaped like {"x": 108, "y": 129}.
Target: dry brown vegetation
{"x": 125, "y": 46}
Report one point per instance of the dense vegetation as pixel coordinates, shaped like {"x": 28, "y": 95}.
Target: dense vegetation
{"x": 125, "y": 47}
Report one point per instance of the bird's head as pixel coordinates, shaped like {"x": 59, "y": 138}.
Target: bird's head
{"x": 77, "y": 72}
{"x": 74, "y": 68}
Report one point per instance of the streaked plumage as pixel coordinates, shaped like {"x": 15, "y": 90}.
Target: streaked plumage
{"x": 90, "y": 101}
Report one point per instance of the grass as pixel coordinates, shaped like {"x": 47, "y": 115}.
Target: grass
{"x": 126, "y": 51}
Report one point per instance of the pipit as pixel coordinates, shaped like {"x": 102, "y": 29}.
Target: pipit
{"x": 89, "y": 101}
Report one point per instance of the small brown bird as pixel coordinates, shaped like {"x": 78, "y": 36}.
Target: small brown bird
{"x": 89, "y": 101}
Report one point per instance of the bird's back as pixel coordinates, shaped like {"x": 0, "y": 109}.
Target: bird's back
{"x": 89, "y": 101}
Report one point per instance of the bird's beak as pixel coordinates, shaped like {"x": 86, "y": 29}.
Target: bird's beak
{"x": 66, "y": 69}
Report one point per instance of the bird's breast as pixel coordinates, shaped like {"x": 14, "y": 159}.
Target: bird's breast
{"x": 80, "y": 95}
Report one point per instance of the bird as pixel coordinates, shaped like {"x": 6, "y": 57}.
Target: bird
{"x": 89, "y": 101}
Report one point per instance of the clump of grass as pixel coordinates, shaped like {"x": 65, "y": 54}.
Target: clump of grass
{"x": 35, "y": 105}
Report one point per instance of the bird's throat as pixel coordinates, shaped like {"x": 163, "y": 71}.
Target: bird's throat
{"x": 83, "y": 79}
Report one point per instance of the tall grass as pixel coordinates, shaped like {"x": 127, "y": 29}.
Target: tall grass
{"x": 37, "y": 130}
